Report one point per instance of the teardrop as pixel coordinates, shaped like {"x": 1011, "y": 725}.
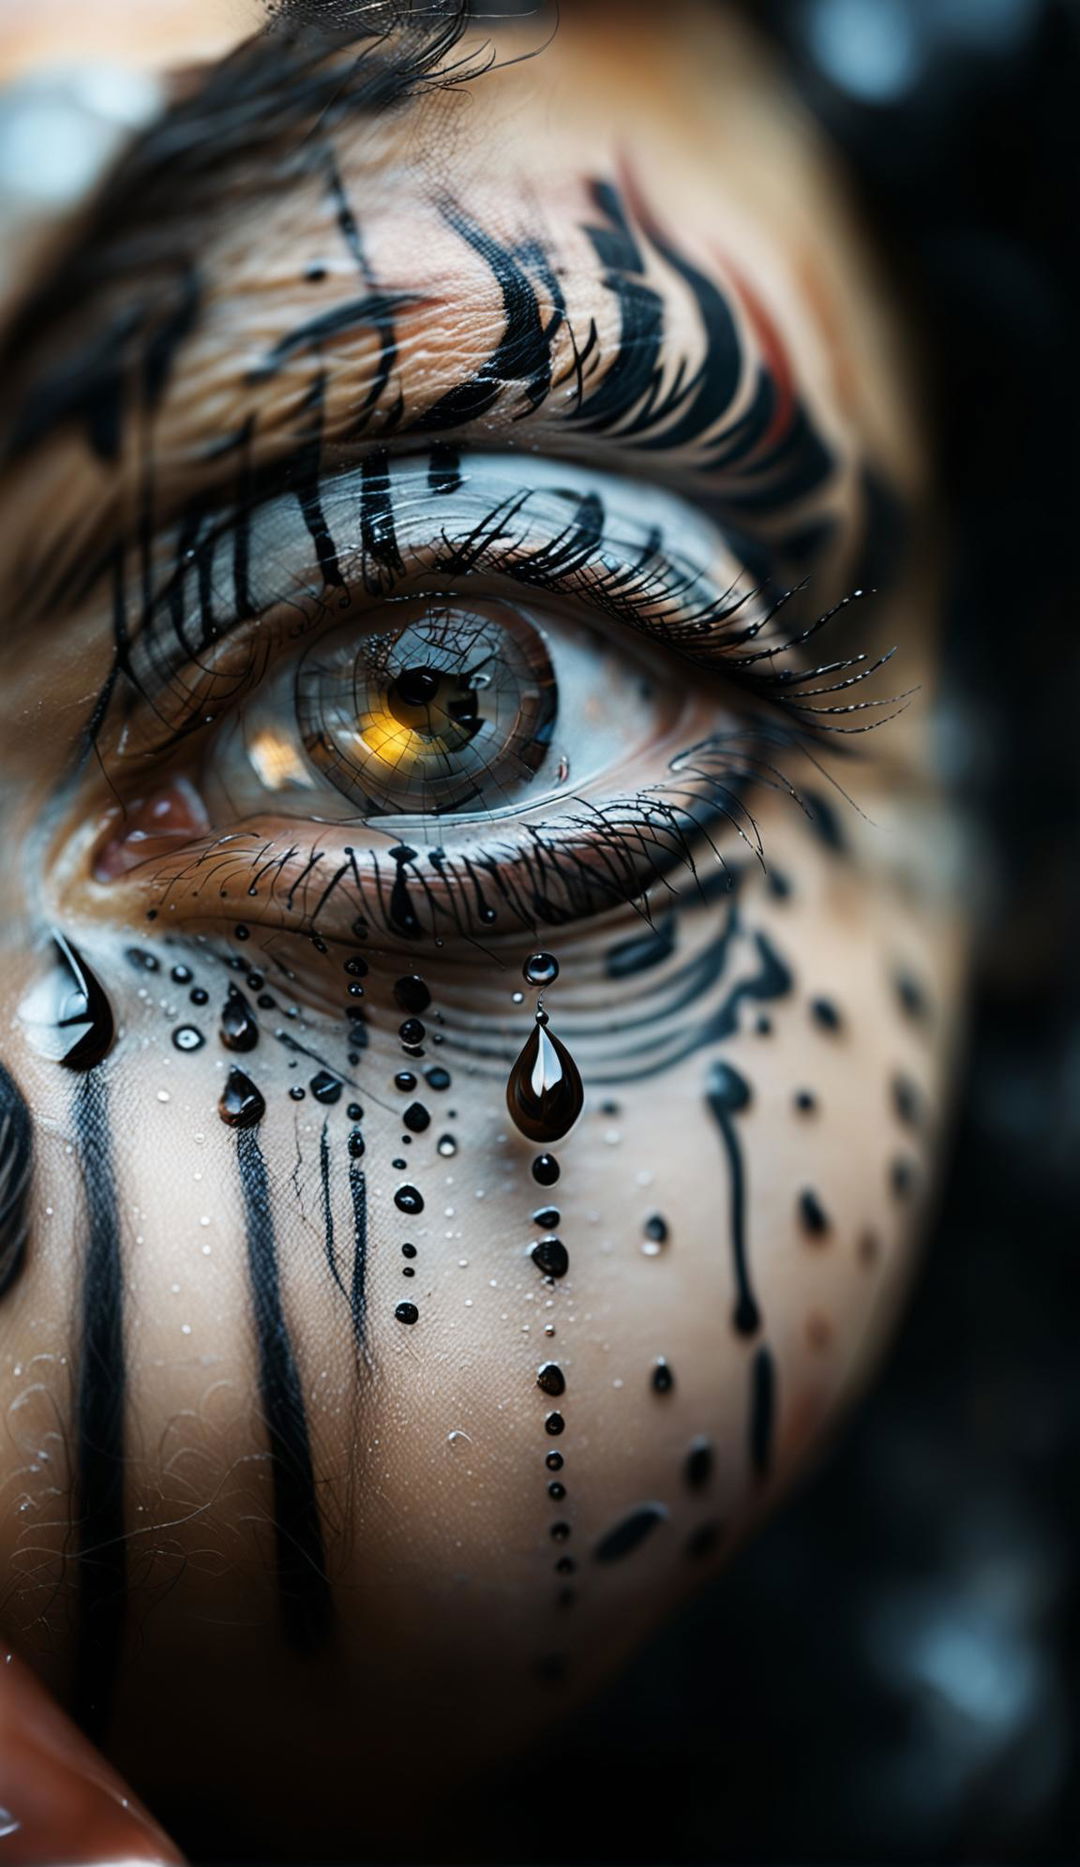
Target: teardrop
{"x": 242, "y": 1104}
{"x": 239, "y": 1027}
{"x": 67, "y": 1016}
{"x": 544, "y": 1093}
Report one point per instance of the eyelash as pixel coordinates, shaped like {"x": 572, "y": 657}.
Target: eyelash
{"x": 545, "y": 537}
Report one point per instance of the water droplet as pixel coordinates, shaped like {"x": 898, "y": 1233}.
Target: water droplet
{"x": 544, "y": 1093}
{"x": 181, "y": 975}
{"x": 67, "y": 1016}
{"x": 187, "y": 1037}
{"x": 163, "y": 1095}
{"x": 447, "y": 1146}
{"x": 326, "y": 1088}
{"x": 554, "y": 1424}
{"x": 199, "y": 996}
{"x": 412, "y": 1033}
{"x": 407, "y": 1199}
{"x": 239, "y": 1028}
{"x": 405, "y": 1080}
{"x": 545, "y": 1170}
{"x": 407, "y": 1312}
{"x": 540, "y": 969}
{"x": 241, "y": 1103}
{"x": 551, "y": 1379}
{"x": 437, "y": 1077}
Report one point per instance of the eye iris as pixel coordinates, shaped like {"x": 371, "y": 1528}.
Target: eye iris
{"x": 449, "y": 712}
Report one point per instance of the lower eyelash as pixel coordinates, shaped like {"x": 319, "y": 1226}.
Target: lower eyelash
{"x": 584, "y": 862}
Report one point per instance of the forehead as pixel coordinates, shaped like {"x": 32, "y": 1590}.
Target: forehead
{"x": 150, "y": 33}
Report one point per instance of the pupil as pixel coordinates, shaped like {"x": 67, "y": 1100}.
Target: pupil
{"x": 416, "y": 686}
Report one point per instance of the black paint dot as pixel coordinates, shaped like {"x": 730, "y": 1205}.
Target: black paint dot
{"x": 540, "y": 969}
{"x": 610, "y": 1108}
{"x": 297, "y": 1092}
{"x": 407, "y": 1271}
{"x": 355, "y": 991}
{"x": 663, "y": 1379}
{"x": 902, "y": 1178}
{"x": 186, "y": 1037}
{"x": 699, "y": 1464}
{"x": 358, "y": 967}
{"x": 416, "y": 1118}
{"x": 812, "y": 1215}
{"x": 399, "y": 1166}
{"x": 702, "y": 1541}
{"x": 142, "y": 961}
{"x": 825, "y": 1014}
{"x": 545, "y": 1170}
{"x": 265, "y": 1002}
{"x": 656, "y": 1228}
{"x": 763, "y": 1027}
{"x": 911, "y": 997}
{"x": 326, "y": 1088}
{"x": 551, "y": 1257}
{"x": 200, "y": 996}
{"x": 243, "y": 933}
{"x": 412, "y": 994}
{"x": 437, "y": 1078}
{"x": 356, "y": 1145}
{"x": 629, "y": 1535}
{"x": 551, "y": 1379}
{"x": 408, "y": 1251}
{"x": 405, "y": 1080}
{"x": 556, "y": 1490}
{"x": 547, "y": 1218}
{"x": 412, "y": 1033}
{"x": 181, "y": 975}
{"x": 355, "y": 1111}
{"x": 554, "y": 1461}
{"x": 566, "y": 1566}
{"x": 239, "y": 1025}
{"x": 907, "y": 1101}
{"x": 407, "y": 1312}
{"x": 554, "y": 1424}
{"x": 805, "y": 1101}
{"x": 407, "y": 1199}
{"x": 779, "y": 885}
{"x": 560, "y": 1532}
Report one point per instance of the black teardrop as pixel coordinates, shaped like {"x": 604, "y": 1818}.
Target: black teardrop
{"x": 544, "y": 1094}
{"x": 84, "y": 1026}
{"x": 239, "y": 1028}
{"x": 241, "y": 1102}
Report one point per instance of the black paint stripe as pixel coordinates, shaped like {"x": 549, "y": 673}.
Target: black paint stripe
{"x": 762, "y": 1410}
{"x": 358, "y": 1293}
{"x": 304, "y": 1589}
{"x": 16, "y": 1167}
{"x": 629, "y": 1535}
{"x": 101, "y": 1546}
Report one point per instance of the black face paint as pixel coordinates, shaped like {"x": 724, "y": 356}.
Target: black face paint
{"x": 630, "y": 1534}
{"x": 100, "y": 1530}
{"x": 16, "y": 1167}
{"x": 727, "y": 1095}
{"x": 305, "y": 1600}
{"x": 762, "y": 1410}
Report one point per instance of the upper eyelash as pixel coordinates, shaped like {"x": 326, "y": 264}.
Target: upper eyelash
{"x": 638, "y": 578}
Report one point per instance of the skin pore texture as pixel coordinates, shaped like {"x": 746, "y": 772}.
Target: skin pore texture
{"x": 351, "y": 1435}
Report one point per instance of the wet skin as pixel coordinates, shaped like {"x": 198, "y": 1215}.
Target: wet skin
{"x": 299, "y": 1413}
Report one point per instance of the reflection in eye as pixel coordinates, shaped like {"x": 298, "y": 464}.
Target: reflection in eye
{"x": 459, "y": 708}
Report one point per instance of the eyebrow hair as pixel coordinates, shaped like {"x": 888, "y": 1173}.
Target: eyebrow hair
{"x": 258, "y": 106}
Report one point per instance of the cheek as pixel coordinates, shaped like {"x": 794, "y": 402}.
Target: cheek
{"x": 290, "y": 1361}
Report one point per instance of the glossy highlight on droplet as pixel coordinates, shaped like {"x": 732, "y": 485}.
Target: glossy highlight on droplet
{"x": 544, "y": 1094}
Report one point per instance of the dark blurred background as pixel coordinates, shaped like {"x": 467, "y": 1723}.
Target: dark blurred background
{"x": 892, "y": 1670}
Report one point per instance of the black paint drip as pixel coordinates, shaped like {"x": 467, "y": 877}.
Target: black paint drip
{"x": 68, "y": 1017}
{"x": 16, "y": 1166}
{"x": 239, "y": 1025}
{"x": 241, "y": 1104}
{"x": 728, "y": 1094}
{"x": 544, "y": 1094}
{"x": 630, "y": 1534}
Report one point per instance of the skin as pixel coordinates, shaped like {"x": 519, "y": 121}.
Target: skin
{"x": 447, "y": 1632}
